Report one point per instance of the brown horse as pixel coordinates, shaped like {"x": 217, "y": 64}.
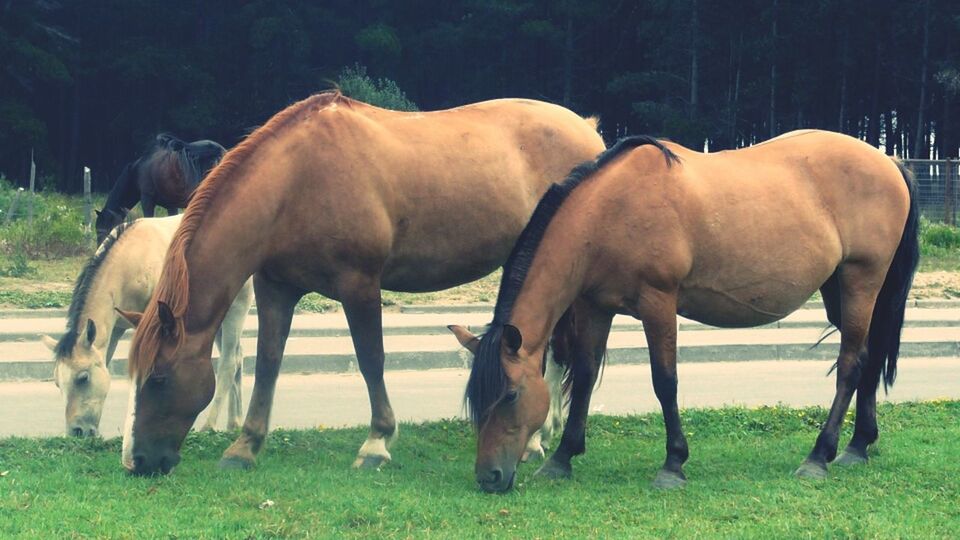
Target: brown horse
{"x": 733, "y": 239}
{"x": 359, "y": 199}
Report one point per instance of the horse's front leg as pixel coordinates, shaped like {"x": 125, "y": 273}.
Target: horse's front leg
{"x": 660, "y": 327}
{"x": 213, "y": 410}
{"x": 361, "y": 304}
{"x": 579, "y": 342}
{"x": 148, "y": 205}
{"x": 172, "y": 210}
{"x": 275, "y": 305}
{"x": 540, "y": 441}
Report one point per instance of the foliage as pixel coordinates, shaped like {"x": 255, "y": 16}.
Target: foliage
{"x": 740, "y": 484}
{"x": 93, "y": 81}
{"x": 57, "y": 228}
{"x": 354, "y": 82}
{"x": 34, "y": 299}
{"x": 939, "y": 242}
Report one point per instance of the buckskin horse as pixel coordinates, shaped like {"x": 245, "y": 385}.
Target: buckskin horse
{"x": 342, "y": 198}
{"x": 166, "y": 175}
{"x": 733, "y": 239}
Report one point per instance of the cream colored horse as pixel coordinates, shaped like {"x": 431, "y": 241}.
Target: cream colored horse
{"x": 121, "y": 276}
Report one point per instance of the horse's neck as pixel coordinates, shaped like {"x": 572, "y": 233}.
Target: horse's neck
{"x": 551, "y": 285}
{"x": 125, "y": 192}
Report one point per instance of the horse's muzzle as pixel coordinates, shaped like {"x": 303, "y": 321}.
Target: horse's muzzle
{"x": 145, "y": 465}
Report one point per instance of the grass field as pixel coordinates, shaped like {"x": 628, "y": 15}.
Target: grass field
{"x": 740, "y": 485}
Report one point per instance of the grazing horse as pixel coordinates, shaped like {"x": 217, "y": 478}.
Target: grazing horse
{"x": 121, "y": 276}
{"x": 732, "y": 239}
{"x": 166, "y": 175}
{"x": 359, "y": 199}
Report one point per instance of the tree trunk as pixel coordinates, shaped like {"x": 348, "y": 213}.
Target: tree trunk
{"x": 919, "y": 152}
{"x": 72, "y": 177}
{"x": 694, "y": 57}
{"x": 568, "y": 60}
{"x": 873, "y": 129}
{"x": 890, "y": 138}
{"x": 773, "y": 74}
{"x": 843, "y": 84}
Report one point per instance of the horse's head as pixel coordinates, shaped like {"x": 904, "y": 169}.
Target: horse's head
{"x": 172, "y": 382}
{"x": 83, "y": 378}
{"x": 508, "y": 401}
{"x": 107, "y": 219}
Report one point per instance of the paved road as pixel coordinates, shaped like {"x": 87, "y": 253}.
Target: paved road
{"x": 35, "y": 408}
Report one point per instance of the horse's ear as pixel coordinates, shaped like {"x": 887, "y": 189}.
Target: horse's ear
{"x": 168, "y": 323}
{"x": 467, "y": 339}
{"x": 91, "y": 332}
{"x": 132, "y": 317}
{"x": 49, "y": 342}
{"x": 512, "y": 339}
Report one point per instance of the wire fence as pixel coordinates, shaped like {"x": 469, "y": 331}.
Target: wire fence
{"x": 937, "y": 191}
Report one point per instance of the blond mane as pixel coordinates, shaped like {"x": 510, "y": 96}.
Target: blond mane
{"x": 173, "y": 288}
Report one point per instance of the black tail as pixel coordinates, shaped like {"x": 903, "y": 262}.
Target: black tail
{"x": 883, "y": 343}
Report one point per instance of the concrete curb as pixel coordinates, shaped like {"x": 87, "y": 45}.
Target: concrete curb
{"x": 346, "y": 363}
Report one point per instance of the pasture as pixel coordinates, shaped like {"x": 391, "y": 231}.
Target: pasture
{"x": 740, "y": 471}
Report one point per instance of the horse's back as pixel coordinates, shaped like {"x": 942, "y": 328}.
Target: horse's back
{"x": 441, "y": 195}
{"x": 749, "y": 235}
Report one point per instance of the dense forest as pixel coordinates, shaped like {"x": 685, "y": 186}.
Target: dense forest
{"x": 90, "y": 82}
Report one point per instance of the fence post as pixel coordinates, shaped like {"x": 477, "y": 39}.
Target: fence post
{"x": 949, "y": 199}
{"x": 87, "y": 199}
{"x": 13, "y": 206}
{"x": 33, "y": 178}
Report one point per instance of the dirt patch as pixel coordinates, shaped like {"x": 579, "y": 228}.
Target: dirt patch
{"x": 936, "y": 285}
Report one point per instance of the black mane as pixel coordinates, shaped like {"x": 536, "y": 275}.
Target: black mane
{"x": 487, "y": 381}
{"x": 80, "y": 290}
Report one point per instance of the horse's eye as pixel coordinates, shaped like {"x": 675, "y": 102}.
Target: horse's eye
{"x": 82, "y": 378}
{"x": 511, "y": 396}
{"x": 158, "y": 380}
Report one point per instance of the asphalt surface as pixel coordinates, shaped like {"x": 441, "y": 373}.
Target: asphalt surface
{"x": 35, "y": 408}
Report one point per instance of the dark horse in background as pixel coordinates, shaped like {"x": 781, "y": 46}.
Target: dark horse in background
{"x": 166, "y": 175}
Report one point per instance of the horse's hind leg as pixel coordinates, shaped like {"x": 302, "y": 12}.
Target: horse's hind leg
{"x": 865, "y": 429}
{"x": 275, "y": 305}
{"x": 859, "y": 285}
{"x": 580, "y": 344}
{"x": 361, "y": 304}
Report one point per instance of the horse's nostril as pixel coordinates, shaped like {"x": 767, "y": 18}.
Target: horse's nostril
{"x": 76, "y": 431}
{"x": 138, "y": 462}
{"x": 92, "y": 432}
{"x": 495, "y": 476}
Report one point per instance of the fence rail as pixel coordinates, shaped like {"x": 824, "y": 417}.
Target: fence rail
{"x": 937, "y": 190}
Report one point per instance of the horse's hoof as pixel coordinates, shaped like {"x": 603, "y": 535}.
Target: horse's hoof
{"x": 669, "y": 480}
{"x": 369, "y": 462}
{"x": 850, "y": 457}
{"x": 530, "y": 453}
{"x": 554, "y": 470}
{"x": 235, "y": 463}
{"x": 812, "y": 470}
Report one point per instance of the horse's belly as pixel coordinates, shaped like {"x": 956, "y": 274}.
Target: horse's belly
{"x": 743, "y": 306}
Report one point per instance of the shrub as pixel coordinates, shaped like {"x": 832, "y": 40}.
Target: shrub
{"x": 354, "y": 82}
{"x": 57, "y": 228}
{"x": 938, "y": 238}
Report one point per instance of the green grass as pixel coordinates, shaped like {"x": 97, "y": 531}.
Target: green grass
{"x": 740, "y": 485}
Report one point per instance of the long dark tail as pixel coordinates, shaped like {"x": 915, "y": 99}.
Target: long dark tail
{"x": 883, "y": 342}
